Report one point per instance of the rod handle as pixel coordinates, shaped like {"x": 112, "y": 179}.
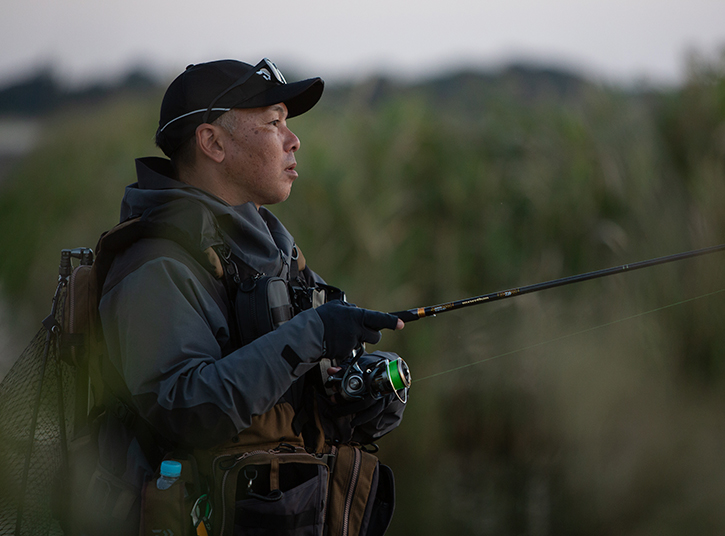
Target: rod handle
{"x": 407, "y": 316}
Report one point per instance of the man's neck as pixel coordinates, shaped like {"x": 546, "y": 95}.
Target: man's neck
{"x": 213, "y": 182}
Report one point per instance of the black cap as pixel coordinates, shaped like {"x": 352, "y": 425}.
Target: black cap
{"x": 206, "y": 90}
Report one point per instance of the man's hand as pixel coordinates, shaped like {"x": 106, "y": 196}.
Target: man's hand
{"x": 347, "y": 327}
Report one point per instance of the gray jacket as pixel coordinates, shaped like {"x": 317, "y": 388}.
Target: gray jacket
{"x": 168, "y": 333}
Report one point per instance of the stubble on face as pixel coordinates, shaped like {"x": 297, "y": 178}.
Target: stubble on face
{"x": 260, "y": 159}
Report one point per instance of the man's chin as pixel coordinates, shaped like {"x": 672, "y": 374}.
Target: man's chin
{"x": 276, "y": 199}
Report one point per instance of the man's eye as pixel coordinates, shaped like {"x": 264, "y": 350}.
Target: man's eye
{"x": 275, "y": 122}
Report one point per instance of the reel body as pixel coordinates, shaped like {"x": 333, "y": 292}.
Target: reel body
{"x": 371, "y": 375}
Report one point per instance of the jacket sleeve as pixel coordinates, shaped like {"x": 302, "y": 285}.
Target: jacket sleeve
{"x": 164, "y": 331}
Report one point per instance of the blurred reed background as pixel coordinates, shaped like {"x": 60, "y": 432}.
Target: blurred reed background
{"x": 585, "y": 416}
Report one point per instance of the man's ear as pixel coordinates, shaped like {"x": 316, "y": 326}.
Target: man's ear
{"x": 209, "y": 141}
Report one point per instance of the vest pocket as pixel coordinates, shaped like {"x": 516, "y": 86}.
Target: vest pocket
{"x": 281, "y": 493}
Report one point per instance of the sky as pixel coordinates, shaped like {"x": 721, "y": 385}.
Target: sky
{"x": 611, "y": 40}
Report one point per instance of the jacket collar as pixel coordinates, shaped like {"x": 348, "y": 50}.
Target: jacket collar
{"x": 254, "y": 235}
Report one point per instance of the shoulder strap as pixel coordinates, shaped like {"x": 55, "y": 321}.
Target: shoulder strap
{"x": 187, "y": 223}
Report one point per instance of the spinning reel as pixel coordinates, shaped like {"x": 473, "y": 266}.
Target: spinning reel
{"x": 369, "y": 374}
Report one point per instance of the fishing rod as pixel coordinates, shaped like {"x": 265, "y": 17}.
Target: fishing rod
{"x": 433, "y": 310}
{"x": 355, "y": 382}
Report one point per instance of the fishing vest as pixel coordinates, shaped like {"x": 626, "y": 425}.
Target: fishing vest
{"x": 280, "y": 474}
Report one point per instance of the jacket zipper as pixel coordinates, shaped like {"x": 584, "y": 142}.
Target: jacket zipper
{"x": 351, "y": 492}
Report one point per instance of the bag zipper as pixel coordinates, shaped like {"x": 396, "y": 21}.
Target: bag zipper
{"x": 351, "y": 492}
{"x": 330, "y": 467}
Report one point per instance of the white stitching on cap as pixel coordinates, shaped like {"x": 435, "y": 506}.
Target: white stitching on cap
{"x": 191, "y": 113}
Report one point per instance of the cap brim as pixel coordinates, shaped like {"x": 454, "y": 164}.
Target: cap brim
{"x": 299, "y": 97}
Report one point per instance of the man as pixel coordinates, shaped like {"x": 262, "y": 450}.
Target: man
{"x": 191, "y": 368}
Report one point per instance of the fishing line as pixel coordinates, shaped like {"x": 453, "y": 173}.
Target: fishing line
{"x": 569, "y": 335}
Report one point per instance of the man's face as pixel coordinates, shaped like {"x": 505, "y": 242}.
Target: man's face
{"x": 260, "y": 158}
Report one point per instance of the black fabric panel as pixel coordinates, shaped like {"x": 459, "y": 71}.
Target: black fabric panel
{"x": 291, "y": 357}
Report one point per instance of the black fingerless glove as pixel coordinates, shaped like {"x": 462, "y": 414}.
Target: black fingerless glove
{"x": 347, "y": 327}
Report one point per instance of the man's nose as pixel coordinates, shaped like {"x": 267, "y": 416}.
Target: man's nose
{"x": 293, "y": 142}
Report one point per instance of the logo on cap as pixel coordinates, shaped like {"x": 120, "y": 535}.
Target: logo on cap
{"x": 264, "y": 73}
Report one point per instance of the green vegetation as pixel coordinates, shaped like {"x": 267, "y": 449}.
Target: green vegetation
{"x": 416, "y": 195}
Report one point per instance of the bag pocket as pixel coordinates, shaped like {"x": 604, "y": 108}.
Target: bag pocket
{"x": 356, "y": 481}
{"x": 281, "y": 493}
{"x": 168, "y": 511}
{"x": 296, "y": 507}
{"x": 381, "y": 503}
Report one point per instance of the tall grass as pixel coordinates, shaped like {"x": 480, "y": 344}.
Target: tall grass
{"x": 584, "y": 416}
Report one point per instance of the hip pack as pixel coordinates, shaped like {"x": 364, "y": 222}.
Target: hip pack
{"x": 285, "y": 490}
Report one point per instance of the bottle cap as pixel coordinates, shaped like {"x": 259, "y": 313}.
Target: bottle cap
{"x": 170, "y": 468}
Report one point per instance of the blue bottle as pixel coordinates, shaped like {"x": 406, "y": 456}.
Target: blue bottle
{"x": 170, "y": 473}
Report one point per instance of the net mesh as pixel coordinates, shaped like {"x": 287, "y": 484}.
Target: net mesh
{"x": 30, "y": 504}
